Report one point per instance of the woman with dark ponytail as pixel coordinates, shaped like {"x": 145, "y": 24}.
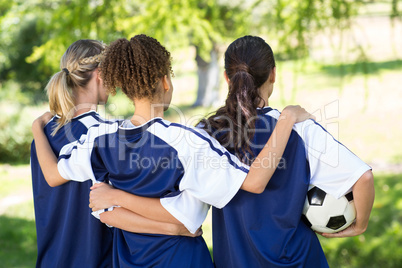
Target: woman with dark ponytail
{"x": 266, "y": 230}
{"x": 249, "y": 78}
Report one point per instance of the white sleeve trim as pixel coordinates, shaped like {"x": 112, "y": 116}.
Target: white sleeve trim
{"x": 235, "y": 186}
{"x": 187, "y": 209}
{"x": 347, "y": 186}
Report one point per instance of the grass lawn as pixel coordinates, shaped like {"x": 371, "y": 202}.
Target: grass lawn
{"x": 379, "y": 246}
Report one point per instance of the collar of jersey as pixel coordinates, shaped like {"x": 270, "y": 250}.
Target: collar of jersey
{"x": 91, "y": 112}
{"x": 264, "y": 110}
{"x": 133, "y": 130}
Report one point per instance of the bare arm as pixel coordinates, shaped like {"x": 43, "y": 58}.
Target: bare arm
{"x": 363, "y": 195}
{"x": 132, "y": 222}
{"x": 103, "y": 196}
{"x": 268, "y": 159}
{"x": 46, "y": 157}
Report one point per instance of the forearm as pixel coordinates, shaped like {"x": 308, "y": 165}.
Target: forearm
{"x": 129, "y": 221}
{"x": 363, "y": 195}
{"x": 270, "y": 156}
{"x": 148, "y": 207}
{"x": 46, "y": 157}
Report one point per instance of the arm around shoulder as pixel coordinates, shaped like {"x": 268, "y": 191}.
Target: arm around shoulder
{"x": 127, "y": 220}
{"x": 46, "y": 157}
{"x": 260, "y": 173}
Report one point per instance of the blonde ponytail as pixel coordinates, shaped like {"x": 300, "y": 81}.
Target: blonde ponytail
{"x": 77, "y": 65}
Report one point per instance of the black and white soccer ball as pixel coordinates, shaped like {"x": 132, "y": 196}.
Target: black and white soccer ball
{"x": 324, "y": 213}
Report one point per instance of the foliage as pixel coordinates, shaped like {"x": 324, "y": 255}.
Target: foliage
{"x": 202, "y": 23}
{"x": 35, "y": 33}
{"x": 15, "y": 132}
{"x": 18, "y": 37}
{"x": 63, "y": 22}
{"x": 292, "y": 24}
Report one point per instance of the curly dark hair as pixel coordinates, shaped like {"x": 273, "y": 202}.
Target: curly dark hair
{"x": 135, "y": 66}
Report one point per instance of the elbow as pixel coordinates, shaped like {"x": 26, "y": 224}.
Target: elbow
{"x": 367, "y": 179}
{"x": 253, "y": 188}
{"x": 52, "y": 183}
{"x": 258, "y": 189}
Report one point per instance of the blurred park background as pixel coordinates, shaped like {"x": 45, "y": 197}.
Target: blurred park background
{"x": 340, "y": 59}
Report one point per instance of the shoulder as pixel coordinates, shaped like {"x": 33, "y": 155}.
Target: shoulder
{"x": 101, "y": 128}
{"x": 186, "y": 140}
{"x": 311, "y": 128}
{"x": 93, "y": 118}
{"x": 268, "y": 111}
{"x": 179, "y": 132}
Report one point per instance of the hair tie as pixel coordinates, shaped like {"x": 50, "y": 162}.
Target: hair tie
{"x": 65, "y": 70}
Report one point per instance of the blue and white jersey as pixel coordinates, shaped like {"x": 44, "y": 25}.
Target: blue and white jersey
{"x": 67, "y": 235}
{"x": 158, "y": 159}
{"x": 266, "y": 230}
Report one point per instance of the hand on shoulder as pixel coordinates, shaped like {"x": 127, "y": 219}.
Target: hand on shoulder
{"x": 42, "y": 120}
{"x": 296, "y": 113}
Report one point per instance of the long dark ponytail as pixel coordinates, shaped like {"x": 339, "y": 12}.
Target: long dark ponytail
{"x": 249, "y": 61}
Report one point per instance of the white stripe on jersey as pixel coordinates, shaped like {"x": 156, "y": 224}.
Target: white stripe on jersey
{"x": 75, "y": 158}
{"x": 89, "y": 121}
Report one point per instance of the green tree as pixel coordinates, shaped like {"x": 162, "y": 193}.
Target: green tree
{"x": 204, "y": 24}
{"x": 43, "y": 29}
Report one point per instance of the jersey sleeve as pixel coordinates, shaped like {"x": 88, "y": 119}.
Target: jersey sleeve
{"x": 212, "y": 176}
{"x": 333, "y": 167}
{"x": 75, "y": 158}
{"x": 74, "y": 161}
{"x": 190, "y": 211}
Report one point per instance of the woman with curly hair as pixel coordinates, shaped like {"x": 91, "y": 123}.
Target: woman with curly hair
{"x": 148, "y": 156}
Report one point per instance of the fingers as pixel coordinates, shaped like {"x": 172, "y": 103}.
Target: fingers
{"x": 46, "y": 117}
{"x": 348, "y": 232}
{"x": 327, "y": 235}
{"x": 97, "y": 185}
{"x": 199, "y": 232}
{"x": 91, "y": 205}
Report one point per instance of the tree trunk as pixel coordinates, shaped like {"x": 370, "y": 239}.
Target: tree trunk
{"x": 208, "y": 79}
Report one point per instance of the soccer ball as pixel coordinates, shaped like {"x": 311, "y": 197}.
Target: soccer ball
{"x": 324, "y": 213}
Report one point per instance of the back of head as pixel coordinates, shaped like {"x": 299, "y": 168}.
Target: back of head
{"x": 76, "y": 67}
{"x": 135, "y": 66}
{"x": 252, "y": 56}
{"x": 249, "y": 61}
